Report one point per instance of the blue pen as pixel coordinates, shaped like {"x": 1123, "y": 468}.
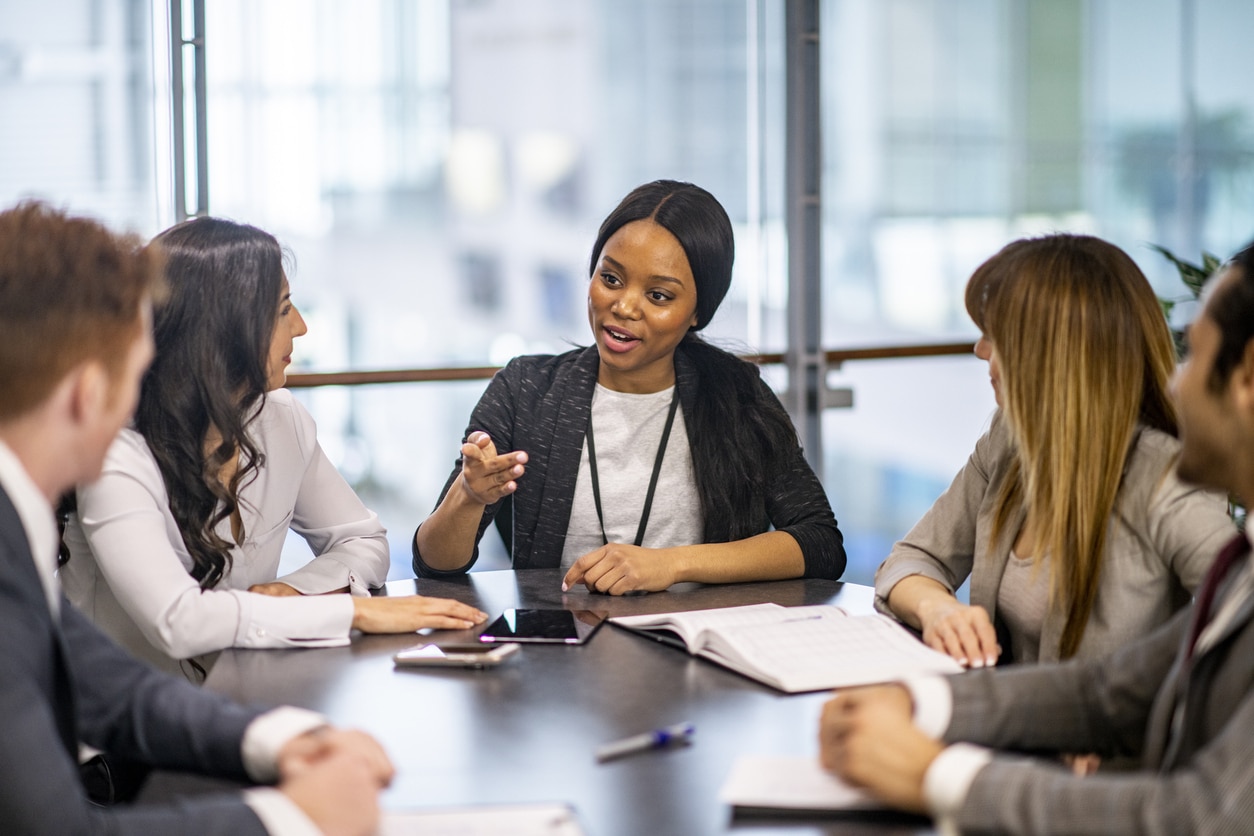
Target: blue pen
{"x": 657, "y": 739}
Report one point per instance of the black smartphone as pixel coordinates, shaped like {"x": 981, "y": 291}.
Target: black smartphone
{"x": 543, "y": 626}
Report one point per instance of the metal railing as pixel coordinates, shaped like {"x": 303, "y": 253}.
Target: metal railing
{"x": 833, "y": 360}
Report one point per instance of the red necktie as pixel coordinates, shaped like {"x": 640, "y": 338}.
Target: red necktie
{"x": 1236, "y": 548}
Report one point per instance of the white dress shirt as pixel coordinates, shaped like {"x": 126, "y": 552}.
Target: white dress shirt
{"x": 130, "y": 571}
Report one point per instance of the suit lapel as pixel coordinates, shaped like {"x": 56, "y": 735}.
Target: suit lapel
{"x": 20, "y": 569}
{"x": 1164, "y": 736}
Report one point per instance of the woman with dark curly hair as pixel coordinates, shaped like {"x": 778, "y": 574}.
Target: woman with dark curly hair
{"x": 175, "y": 550}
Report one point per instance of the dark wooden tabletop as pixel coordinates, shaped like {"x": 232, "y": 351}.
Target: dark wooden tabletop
{"x": 526, "y": 731}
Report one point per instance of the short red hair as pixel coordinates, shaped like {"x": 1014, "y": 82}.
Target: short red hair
{"x": 70, "y": 291}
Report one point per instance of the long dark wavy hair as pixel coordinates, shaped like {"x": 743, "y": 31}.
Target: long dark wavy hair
{"x": 212, "y": 342}
{"x": 735, "y": 428}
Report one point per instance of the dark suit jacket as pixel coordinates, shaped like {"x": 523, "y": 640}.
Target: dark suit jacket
{"x": 62, "y": 683}
{"x": 1191, "y": 723}
{"x": 542, "y": 404}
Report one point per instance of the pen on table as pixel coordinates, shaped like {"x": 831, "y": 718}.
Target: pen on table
{"x": 656, "y": 739}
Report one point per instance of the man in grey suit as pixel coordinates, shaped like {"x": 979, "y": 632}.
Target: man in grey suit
{"x": 75, "y": 304}
{"x": 1181, "y": 699}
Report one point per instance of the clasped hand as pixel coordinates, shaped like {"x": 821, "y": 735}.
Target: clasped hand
{"x": 334, "y": 776}
{"x": 867, "y": 737}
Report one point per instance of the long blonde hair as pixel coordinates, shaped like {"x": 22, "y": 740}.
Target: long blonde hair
{"x": 1085, "y": 355}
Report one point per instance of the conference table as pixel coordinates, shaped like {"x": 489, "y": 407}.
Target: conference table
{"x": 526, "y": 731}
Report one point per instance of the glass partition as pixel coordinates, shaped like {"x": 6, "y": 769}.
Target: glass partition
{"x": 438, "y": 169}
{"x": 951, "y": 129}
{"x": 83, "y": 91}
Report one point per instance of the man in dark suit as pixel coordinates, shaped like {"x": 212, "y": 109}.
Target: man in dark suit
{"x": 1181, "y": 699}
{"x": 75, "y": 339}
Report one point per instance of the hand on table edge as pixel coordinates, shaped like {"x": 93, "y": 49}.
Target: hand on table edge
{"x": 616, "y": 568}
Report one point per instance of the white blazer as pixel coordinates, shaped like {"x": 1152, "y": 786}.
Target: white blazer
{"x": 129, "y": 570}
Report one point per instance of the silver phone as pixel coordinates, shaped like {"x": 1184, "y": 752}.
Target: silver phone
{"x": 455, "y": 656}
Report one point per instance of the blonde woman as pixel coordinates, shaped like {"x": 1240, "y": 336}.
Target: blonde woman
{"x": 1068, "y": 517}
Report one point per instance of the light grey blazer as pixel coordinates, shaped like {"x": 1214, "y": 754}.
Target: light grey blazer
{"x": 1162, "y": 538}
{"x": 1190, "y": 722}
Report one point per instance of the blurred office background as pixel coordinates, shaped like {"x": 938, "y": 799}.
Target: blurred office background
{"x": 438, "y": 169}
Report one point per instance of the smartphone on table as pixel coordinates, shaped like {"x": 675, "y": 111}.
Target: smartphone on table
{"x": 454, "y": 655}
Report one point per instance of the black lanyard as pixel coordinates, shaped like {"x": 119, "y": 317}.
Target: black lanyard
{"x": 657, "y": 471}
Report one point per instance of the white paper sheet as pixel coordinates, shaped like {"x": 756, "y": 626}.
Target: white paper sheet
{"x": 486, "y": 820}
{"x": 790, "y": 784}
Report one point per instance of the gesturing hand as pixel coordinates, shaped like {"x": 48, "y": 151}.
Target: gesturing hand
{"x": 964, "y": 632}
{"x": 867, "y": 737}
{"x": 618, "y": 568}
{"x": 486, "y": 476}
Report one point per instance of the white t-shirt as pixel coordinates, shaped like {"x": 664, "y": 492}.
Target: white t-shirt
{"x": 628, "y": 429}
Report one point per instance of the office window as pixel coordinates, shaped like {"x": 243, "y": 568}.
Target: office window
{"x": 440, "y": 168}
{"x": 82, "y": 96}
{"x": 951, "y": 129}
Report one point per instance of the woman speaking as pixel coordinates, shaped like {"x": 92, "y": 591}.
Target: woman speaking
{"x": 651, "y": 457}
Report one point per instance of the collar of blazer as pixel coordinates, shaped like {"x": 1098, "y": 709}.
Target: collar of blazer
{"x": 1232, "y": 609}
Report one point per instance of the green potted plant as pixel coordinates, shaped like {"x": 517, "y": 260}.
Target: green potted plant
{"x": 1193, "y": 276}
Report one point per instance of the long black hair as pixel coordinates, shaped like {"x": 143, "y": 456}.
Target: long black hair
{"x": 736, "y": 428}
{"x": 212, "y": 340}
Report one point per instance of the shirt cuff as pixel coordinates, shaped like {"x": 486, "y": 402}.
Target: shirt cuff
{"x": 269, "y": 733}
{"x": 321, "y": 575}
{"x": 933, "y": 703}
{"x": 279, "y": 814}
{"x": 948, "y": 780}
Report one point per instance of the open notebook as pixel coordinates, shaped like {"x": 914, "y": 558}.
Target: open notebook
{"x": 796, "y": 649}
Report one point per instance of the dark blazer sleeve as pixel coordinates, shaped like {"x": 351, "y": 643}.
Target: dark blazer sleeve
{"x": 796, "y": 503}
{"x": 121, "y": 706}
{"x": 494, "y": 414}
{"x": 127, "y": 708}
